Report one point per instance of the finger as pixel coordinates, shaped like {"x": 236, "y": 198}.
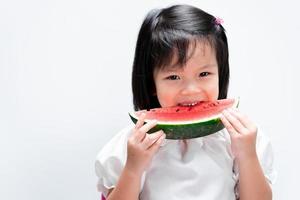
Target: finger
{"x": 140, "y": 121}
{"x": 141, "y": 133}
{"x": 146, "y": 127}
{"x": 235, "y": 122}
{"x": 227, "y": 125}
{"x": 243, "y": 119}
{"x": 150, "y": 139}
{"x": 157, "y": 144}
{"x": 138, "y": 135}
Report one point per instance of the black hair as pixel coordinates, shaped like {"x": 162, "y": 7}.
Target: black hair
{"x": 169, "y": 31}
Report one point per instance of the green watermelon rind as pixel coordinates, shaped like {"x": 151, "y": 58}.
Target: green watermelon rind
{"x": 190, "y": 129}
{"x": 187, "y": 131}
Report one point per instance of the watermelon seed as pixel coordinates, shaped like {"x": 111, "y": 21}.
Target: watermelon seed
{"x": 177, "y": 110}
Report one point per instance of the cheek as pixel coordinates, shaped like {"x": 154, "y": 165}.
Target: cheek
{"x": 212, "y": 89}
{"x": 165, "y": 95}
{"x": 216, "y": 90}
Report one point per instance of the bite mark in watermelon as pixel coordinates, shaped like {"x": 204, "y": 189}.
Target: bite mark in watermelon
{"x": 186, "y": 122}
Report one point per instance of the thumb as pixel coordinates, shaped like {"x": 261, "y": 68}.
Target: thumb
{"x": 156, "y": 145}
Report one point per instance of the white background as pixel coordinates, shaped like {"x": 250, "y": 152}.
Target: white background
{"x": 65, "y": 86}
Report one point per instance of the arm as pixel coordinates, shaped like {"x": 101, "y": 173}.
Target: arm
{"x": 243, "y": 132}
{"x": 141, "y": 147}
{"x": 124, "y": 190}
{"x": 252, "y": 182}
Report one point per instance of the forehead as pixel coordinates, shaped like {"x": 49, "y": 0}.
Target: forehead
{"x": 200, "y": 53}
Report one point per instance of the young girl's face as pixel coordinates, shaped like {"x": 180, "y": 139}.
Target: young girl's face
{"x": 197, "y": 81}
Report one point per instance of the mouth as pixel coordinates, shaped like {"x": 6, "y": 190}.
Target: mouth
{"x": 189, "y": 104}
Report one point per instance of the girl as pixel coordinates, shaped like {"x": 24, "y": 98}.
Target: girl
{"x": 181, "y": 58}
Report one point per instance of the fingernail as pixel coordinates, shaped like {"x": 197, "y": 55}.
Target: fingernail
{"x": 163, "y": 141}
{"x": 162, "y": 138}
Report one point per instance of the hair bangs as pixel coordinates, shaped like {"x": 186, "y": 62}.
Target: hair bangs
{"x": 170, "y": 44}
{"x": 173, "y": 48}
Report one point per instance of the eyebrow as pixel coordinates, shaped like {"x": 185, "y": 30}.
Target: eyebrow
{"x": 174, "y": 68}
{"x": 209, "y": 65}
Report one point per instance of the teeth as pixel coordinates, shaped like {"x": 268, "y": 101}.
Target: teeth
{"x": 188, "y": 104}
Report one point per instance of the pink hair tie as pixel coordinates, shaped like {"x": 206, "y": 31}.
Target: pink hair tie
{"x": 219, "y": 21}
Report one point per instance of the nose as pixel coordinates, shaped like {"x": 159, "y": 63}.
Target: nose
{"x": 191, "y": 88}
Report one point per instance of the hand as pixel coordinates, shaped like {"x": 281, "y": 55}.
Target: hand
{"x": 142, "y": 146}
{"x": 242, "y": 133}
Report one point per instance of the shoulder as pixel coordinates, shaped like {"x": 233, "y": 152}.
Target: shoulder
{"x": 265, "y": 153}
{"x": 116, "y": 145}
{"x": 111, "y": 159}
{"x": 263, "y": 143}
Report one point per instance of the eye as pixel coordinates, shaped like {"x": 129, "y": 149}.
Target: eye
{"x": 173, "y": 77}
{"x": 203, "y": 74}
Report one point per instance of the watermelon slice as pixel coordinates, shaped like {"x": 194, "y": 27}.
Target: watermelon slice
{"x": 186, "y": 122}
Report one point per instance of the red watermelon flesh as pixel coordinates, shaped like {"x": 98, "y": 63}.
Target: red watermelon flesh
{"x": 201, "y": 110}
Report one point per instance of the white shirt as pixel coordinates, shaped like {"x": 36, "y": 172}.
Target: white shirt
{"x": 200, "y": 168}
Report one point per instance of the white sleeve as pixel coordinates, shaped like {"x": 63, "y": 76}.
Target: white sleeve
{"x": 266, "y": 156}
{"x": 108, "y": 174}
{"x": 111, "y": 160}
